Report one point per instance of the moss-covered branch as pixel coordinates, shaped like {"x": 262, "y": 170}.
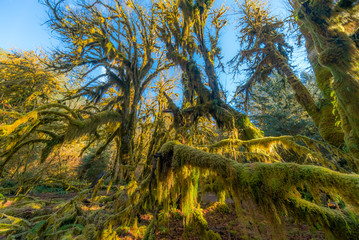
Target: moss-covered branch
{"x": 78, "y": 128}
{"x": 308, "y": 151}
{"x": 273, "y": 187}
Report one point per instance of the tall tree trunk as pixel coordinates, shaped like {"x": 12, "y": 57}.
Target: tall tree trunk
{"x": 127, "y": 134}
{"x": 326, "y": 123}
{"x": 115, "y": 174}
{"x": 322, "y": 115}
{"x": 327, "y": 126}
{"x": 337, "y": 52}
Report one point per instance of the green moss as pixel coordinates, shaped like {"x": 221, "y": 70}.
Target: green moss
{"x": 340, "y": 57}
{"x": 198, "y": 225}
{"x": 273, "y": 187}
{"x": 80, "y": 237}
{"x": 149, "y": 234}
{"x": 78, "y": 128}
{"x": 330, "y": 132}
{"x": 222, "y": 207}
{"x": 90, "y": 232}
{"x": 299, "y": 149}
{"x": 198, "y": 220}
{"x": 210, "y": 235}
{"x": 221, "y": 196}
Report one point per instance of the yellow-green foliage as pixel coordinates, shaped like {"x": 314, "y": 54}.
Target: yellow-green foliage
{"x": 10, "y": 224}
{"x": 30, "y": 117}
{"x": 198, "y": 222}
{"x": 96, "y": 189}
{"x": 66, "y": 220}
{"x": 128, "y": 206}
{"x": 90, "y": 232}
{"x": 33, "y": 128}
{"x": 25, "y": 82}
{"x": 273, "y": 187}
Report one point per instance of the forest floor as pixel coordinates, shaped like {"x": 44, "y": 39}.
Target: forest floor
{"x": 226, "y": 222}
{"x": 221, "y": 219}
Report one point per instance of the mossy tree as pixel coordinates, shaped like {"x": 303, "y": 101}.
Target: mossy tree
{"x": 265, "y": 50}
{"x": 118, "y": 39}
{"x": 330, "y": 117}
{"x": 182, "y": 26}
{"x": 331, "y": 27}
{"x": 155, "y": 126}
{"x": 26, "y": 82}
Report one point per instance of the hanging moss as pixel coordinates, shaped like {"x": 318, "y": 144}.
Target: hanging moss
{"x": 269, "y": 149}
{"x": 78, "y": 128}
{"x": 198, "y": 222}
{"x": 90, "y": 232}
{"x": 273, "y": 187}
{"x": 50, "y": 145}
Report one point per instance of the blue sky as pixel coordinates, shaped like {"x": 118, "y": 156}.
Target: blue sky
{"x": 22, "y": 26}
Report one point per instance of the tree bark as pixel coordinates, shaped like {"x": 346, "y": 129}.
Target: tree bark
{"x": 337, "y": 52}
{"x": 322, "y": 115}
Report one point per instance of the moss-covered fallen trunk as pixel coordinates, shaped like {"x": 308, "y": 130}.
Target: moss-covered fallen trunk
{"x": 273, "y": 187}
